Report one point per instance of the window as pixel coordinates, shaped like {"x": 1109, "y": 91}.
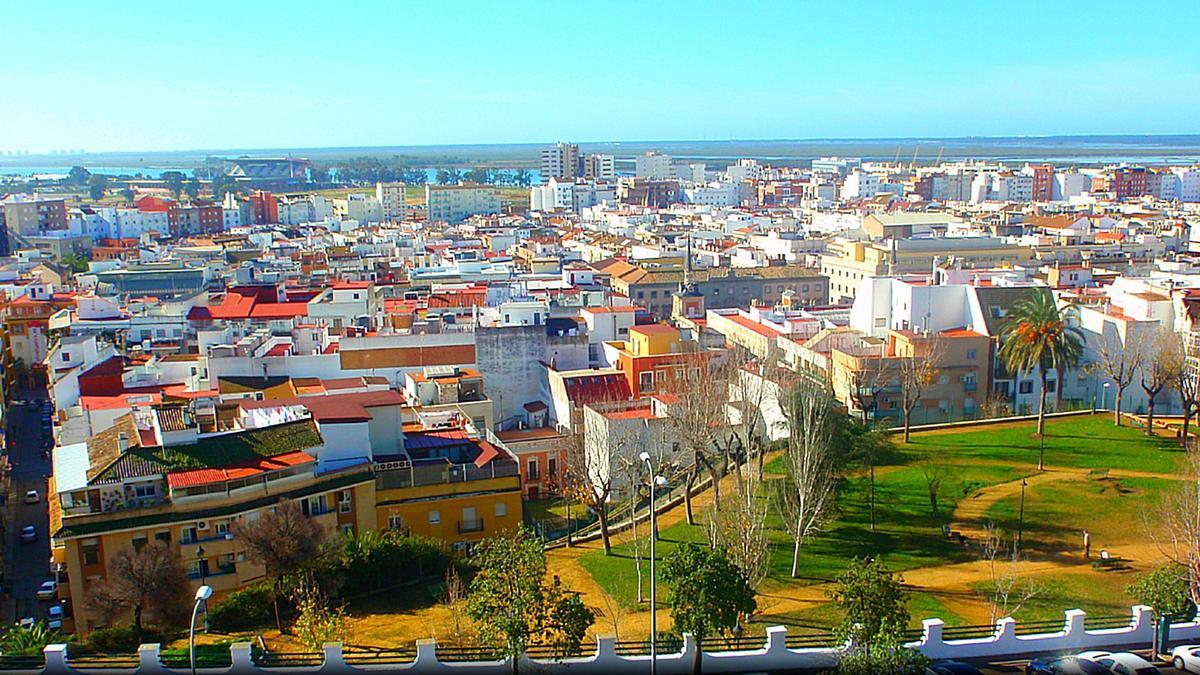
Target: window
{"x": 501, "y": 509}
{"x": 141, "y": 491}
{"x": 345, "y": 503}
{"x": 222, "y": 528}
{"x": 943, "y": 380}
{"x": 1026, "y": 386}
{"x": 395, "y": 521}
{"x": 164, "y": 536}
{"x": 881, "y": 322}
{"x": 139, "y": 542}
{"x": 653, "y": 294}
{"x": 646, "y": 381}
{"x": 91, "y": 552}
{"x": 532, "y": 471}
{"x": 66, "y": 357}
{"x": 552, "y": 466}
{"x": 435, "y": 517}
{"x": 970, "y": 354}
{"x": 1051, "y": 385}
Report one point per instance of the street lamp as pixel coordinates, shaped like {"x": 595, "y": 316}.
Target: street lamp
{"x": 202, "y": 595}
{"x": 1104, "y": 399}
{"x": 1021, "y": 518}
{"x": 655, "y": 481}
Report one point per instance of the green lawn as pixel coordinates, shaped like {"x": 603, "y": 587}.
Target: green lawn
{"x": 909, "y": 535}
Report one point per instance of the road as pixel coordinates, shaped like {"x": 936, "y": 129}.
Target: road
{"x": 29, "y": 563}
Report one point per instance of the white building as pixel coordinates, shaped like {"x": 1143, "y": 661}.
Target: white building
{"x": 363, "y": 208}
{"x": 713, "y": 194}
{"x": 391, "y": 200}
{"x": 1187, "y": 187}
{"x": 599, "y": 167}
{"x": 1069, "y": 184}
{"x": 653, "y": 165}
{"x": 456, "y": 203}
{"x": 861, "y": 185}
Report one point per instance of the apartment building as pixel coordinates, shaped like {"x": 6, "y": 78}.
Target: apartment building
{"x": 563, "y": 161}
{"x": 456, "y": 203}
{"x": 391, "y": 198}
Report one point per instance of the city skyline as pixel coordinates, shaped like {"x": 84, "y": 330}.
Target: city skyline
{"x": 378, "y": 75}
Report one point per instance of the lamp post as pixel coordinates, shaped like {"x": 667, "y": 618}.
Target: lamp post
{"x": 1021, "y": 518}
{"x": 202, "y": 595}
{"x": 655, "y": 481}
{"x": 1104, "y": 398}
{"x": 203, "y": 565}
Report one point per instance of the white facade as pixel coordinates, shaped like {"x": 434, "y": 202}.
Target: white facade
{"x": 456, "y": 203}
{"x": 653, "y": 165}
{"x": 391, "y": 200}
{"x": 1187, "y": 189}
{"x": 860, "y": 185}
{"x": 1070, "y": 184}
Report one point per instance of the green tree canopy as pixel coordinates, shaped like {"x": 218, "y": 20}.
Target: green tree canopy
{"x": 709, "y": 594}
{"x": 97, "y": 184}
{"x": 512, "y": 603}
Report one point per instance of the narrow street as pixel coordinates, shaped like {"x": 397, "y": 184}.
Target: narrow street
{"x": 27, "y": 562}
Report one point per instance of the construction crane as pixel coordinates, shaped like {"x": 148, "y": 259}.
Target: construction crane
{"x": 913, "y": 165}
{"x": 938, "y": 161}
{"x": 897, "y": 160}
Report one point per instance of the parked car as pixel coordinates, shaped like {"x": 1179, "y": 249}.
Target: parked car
{"x": 32, "y": 497}
{"x": 1122, "y": 663}
{"x": 27, "y": 622}
{"x": 28, "y": 533}
{"x": 48, "y": 590}
{"x": 1186, "y": 658}
{"x": 1064, "y": 665}
{"x": 947, "y": 667}
{"x": 55, "y": 616}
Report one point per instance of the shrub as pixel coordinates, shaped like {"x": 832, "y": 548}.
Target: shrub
{"x": 373, "y": 561}
{"x": 119, "y": 640}
{"x": 244, "y": 609}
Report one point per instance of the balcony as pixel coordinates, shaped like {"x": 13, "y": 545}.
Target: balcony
{"x": 467, "y": 527}
{"x": 970, "y": 386}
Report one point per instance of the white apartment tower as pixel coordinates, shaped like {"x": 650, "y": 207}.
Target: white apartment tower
{"x": 391, "y": 200}
{"x": 562, "y": 160}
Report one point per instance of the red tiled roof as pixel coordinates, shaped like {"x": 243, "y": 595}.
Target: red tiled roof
{"x": 755, "y": 326}
{"x": 246, "y": 302}
{"x": 587, "y": 389}
{"x": 191, "y": 477}
{"x": 334, "y": 408}
{"x": 281, "y": 349}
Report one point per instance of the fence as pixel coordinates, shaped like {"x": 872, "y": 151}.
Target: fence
{"x": 776, "y": 651}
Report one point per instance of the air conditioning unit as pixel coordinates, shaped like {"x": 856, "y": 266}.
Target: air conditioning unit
{"x": 202, "y": 525}
{"x": 241, "y": 557}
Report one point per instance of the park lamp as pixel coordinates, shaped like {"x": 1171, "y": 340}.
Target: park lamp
{"x": 655, "y": 481}
{"x": 202, "y": 595}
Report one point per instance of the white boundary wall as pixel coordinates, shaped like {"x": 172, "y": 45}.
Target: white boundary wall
{"x": 774, "y": 656}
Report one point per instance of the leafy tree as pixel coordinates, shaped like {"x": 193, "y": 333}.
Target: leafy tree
{"x": 192, "y": 188}
{"x": 150, "y": 580}
{"x": 97, "y": 184}
{"x": 75, "y": 262}
{"x": 127, "y": 193}
{"x": 873, "y": 605}
{"x": 174, "y": 181}
{"x": 709, "y": 594}
{"x": 319, "y": 173}
{"x": 479, "y": 175}
{"x": 514, "y": 606}
{"x": 78, "y": 176}
{"x": 281, "y": 540}
{"x": 415, "y": 176}
{"x": 29, "y": 640}
{"x": 317, "y": 620}
{"x": 1035, "y": 336}
{"x": 1165, "y": 589}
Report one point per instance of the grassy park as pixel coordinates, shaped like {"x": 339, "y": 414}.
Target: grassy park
{"x": 1098, "y": 477}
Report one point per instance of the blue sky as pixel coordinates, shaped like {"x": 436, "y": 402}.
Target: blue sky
{"x": 215, "y": 74}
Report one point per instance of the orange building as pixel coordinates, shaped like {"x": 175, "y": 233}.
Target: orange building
{"x": 656, "y": 357}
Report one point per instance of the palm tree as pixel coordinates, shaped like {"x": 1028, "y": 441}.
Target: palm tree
{"x": 1036, "y": 337}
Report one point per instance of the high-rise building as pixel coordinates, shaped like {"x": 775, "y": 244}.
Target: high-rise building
{"x": 391, "y": 200}
{"x": 562, "y": 160}
{"x": 599, "y": 167}
{"x": 653, "y": 165}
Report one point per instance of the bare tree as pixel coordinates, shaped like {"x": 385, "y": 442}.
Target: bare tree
{"x": 1165, "y": 363}
{"x": 635, "y": 472}
{"x": 867, "y": 384}
{"x": 936, "y": 472}
{"x": 1119, "y": 363}
{"x": 149, "y": 581}
{"x": 697, "y": 411}
{"x": 1174, "y": 525}
{"x": 1187, "y": 385}
{"x": 807, "y": 494}
{"x": 738, "y": 524}
{"x": 282, "y": 540}
{"x": 455, "y": 594}
{"x": 918, "y": 372}
{"x": 1007, "y": 591}
{"x": 588, "y": 481}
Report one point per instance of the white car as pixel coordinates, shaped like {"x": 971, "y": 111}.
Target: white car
{"x": 55, "y": 616}
{"x": 48, "y": 590}
{"x": 32, "y": 497}
{"x": 1122, "y": 663}
{"x": 1186, "y": 658}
